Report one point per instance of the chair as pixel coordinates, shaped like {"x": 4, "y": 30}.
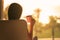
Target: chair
{"x": 13, "y": 30}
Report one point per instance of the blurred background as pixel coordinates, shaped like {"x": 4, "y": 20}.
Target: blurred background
{"x": 45, "y": 12}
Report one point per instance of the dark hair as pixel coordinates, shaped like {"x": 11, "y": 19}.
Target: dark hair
{"x": 35, "y": 38}
{"x": 29, "y": 16}
{"x": 14, "y": 11}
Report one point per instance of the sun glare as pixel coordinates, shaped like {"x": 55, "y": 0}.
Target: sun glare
{"x": 44, "y": 19}
{"x": 30, "y": 5}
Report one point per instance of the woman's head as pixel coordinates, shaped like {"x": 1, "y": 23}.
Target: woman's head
{"x": 14, "y": 11}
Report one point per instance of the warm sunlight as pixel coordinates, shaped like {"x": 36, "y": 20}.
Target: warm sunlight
{"x": 47, "y": 7}
{"x": 44, "y": 19}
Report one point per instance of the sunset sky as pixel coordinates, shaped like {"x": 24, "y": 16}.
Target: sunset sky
{"x": 48, "y": 7}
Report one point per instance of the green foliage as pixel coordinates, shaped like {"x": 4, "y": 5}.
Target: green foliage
{"x": 46, "y": 31}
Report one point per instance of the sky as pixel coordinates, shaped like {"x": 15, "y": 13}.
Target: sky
{"x": 48, "y": 7}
